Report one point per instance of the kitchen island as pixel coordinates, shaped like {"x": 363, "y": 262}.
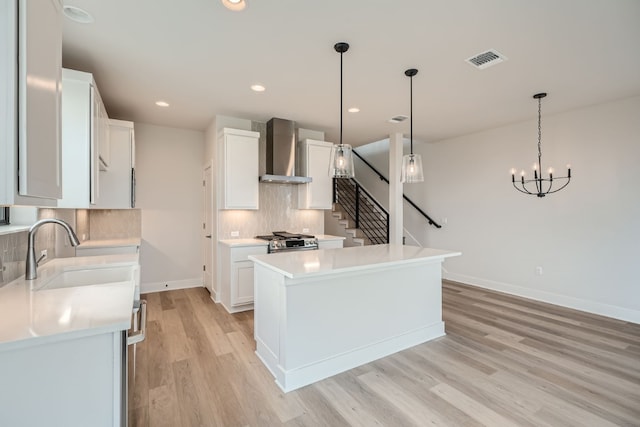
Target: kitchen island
{"x": 318, "y": 313}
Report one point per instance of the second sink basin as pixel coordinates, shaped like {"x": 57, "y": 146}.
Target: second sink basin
{"x": 91, "y": 276}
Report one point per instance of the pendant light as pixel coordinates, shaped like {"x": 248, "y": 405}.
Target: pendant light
{"x": 341, "y": 163}
{"x": 411, "y": 163}
{"x": 527, "y": 185}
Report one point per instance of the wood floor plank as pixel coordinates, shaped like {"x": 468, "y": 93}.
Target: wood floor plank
{"x": 406, "y": 403}
{"x": 505, "y": 360}
{"x": 163, "y": 407}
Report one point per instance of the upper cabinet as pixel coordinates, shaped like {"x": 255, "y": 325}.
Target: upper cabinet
{"x": 314, "y": 157}
{"x": 30, "y": 102}
{"x": 85, "y": 127}
{"x": 117, "y": 184}
{"x": 238, "y": 169}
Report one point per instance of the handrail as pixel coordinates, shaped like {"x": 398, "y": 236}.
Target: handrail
{"x": 358, "y": 191}
{"x": 383, "y": 178}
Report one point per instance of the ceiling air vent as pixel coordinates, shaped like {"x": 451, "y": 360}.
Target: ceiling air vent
{"x": 486, "y": 59}
{"x": 398, "y": 119}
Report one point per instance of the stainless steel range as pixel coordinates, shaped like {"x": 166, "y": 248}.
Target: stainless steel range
{"x": 282, "y": 241}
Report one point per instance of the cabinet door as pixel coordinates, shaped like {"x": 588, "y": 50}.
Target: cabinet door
{"x": 328, "y": 244}
{"x": 94, "y": 143}
{"x": 315, "y": 163}
{"x": 116, "y": 182}
{"x": 240, "y": 172}
{"x": 242, "y": 285}
{"x": 39, "y": 98}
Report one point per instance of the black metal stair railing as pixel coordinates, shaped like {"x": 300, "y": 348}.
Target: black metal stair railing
{"x": 383, "y": 178}
{"x": 368, "y": 215}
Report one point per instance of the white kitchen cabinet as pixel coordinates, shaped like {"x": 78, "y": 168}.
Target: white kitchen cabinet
{"x": 330, "y": 244}
{"x": 236, "y": 287}
{"x": 77, "y": 382}
{"x": 314, "y": 157}
{"x": 84, "y": 126}
{"x": 238, "y": 169}
{"x": 30, "y": 94}
{"x": 103, "y": 141}
{"x": 117, "y": 184}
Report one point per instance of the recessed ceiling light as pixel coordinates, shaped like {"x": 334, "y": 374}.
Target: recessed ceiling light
{"x": 77, "y": 15}
{"x": 258, "y": 88}
{"x": 354, "y": 110}
{"x": 162, "y": 103}
{"x": 235, "y": 5}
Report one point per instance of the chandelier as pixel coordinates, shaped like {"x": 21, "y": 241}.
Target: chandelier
{"x": 539, "y": 185}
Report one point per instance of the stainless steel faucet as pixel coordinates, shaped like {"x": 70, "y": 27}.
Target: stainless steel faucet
{"x": 32, "y": 265}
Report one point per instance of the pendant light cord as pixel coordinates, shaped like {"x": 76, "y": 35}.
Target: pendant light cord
{"x": 411, "y": 113}
{"x": 341, "y": 112}
{"x": 540, "y": 135}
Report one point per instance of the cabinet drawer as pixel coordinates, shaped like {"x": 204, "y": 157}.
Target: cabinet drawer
{"x": 242, "y": 253}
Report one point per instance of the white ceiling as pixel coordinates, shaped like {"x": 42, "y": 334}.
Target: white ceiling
{"x": 202, "y": 58}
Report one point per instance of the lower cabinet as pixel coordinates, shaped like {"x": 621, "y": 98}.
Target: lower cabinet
{"x": 236, "y": 278}
{"x": 330, "y": 244}
{"x": 77, "y": 382}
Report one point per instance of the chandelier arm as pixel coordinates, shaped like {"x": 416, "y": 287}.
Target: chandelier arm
{"x": 558, "y": 189}
{"x": 523, "y": 190}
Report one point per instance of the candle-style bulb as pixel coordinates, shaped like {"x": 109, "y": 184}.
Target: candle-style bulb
{"x": 513, "y": 171}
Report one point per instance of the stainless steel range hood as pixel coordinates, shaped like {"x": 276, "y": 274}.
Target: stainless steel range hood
{"x": 281, "y": 153}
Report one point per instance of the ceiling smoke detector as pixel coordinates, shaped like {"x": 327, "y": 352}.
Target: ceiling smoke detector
{"x": 486, "y": 59}
{"x": 397, "y": 119}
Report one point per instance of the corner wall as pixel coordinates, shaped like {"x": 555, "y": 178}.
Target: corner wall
{"x": 169, "y": 194}
{"x": 586, "y": 238}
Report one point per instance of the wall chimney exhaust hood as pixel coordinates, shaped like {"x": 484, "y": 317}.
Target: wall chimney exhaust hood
{"x": 281, "y": 153}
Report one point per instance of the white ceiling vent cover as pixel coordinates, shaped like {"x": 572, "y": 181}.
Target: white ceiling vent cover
{"x": 486, "y": 59}
{"x": 397, "y": 119}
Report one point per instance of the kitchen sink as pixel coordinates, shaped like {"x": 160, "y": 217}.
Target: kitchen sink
{"x": 91, "y": 276}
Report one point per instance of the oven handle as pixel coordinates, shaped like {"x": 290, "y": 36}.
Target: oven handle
{"x": 138, "y": 336}
{"x": 294, "y": 248}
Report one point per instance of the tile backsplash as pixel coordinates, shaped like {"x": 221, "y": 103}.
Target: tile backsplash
{"x": 276, "y": 213}
{"x": 114, "y": 223}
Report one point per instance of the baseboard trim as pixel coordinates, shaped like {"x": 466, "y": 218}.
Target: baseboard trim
{"x": 608, "y": 310}
{"x": 170, "y": 285}
{"x": 292, "y": 379}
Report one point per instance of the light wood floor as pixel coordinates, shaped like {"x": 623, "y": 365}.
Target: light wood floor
{"x": 504, "y": 361}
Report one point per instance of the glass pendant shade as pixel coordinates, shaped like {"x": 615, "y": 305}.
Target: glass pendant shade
{"x": 341, "y": 163}
{"x": 411, "y": 169}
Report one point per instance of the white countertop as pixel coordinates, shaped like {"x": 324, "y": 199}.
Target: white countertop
{"x": 298, "y": 264}
{"x": 259, "y": 242}
{"x": 243, "y": 242}
{"x": 32, "y": 317}
{"x": 110, "y": 243}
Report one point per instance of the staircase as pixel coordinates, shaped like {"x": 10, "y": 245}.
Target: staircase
{"x": 356, "y": 215}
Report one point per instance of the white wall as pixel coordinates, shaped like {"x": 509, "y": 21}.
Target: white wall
{"x": 169, "y": 193}
{"x": 586, "y": 237}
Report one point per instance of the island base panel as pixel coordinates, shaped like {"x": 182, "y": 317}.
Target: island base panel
{"x": 308, "y": 330}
